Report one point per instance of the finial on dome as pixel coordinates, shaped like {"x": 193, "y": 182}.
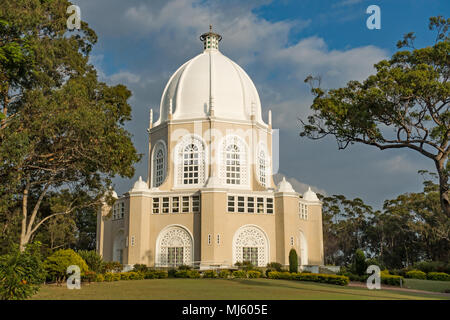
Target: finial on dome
{"x": 139, "y": 185}
{"x": 285, "y": 186}
{"x": 310, "y": 195}
{"x": 210, "y": 40}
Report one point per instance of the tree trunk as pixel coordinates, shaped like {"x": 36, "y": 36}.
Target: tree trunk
{"x": 443, "y": 186}
{"x": 23, "y": 234}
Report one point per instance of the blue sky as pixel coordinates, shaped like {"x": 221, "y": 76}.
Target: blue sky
{"x": 141, "y": 43}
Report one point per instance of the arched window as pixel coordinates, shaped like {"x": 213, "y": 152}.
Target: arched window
{"x": 174, "y": 247}
{"x": 191, "y": 162}
{"x": 262, "y": 167}
{"x": 250, "y": 243}
{"x": 159, "y": 164}
{"x": 234, "y": 162}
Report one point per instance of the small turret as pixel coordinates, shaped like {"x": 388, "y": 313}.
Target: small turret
{"x": 210, "y": 40}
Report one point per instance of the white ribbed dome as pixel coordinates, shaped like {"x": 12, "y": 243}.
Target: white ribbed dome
{"x": 210, "y": 79}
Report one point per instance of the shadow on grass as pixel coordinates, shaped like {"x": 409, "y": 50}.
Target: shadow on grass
{"x": 325, "y": 289}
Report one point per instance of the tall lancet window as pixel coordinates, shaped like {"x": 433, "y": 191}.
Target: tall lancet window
{"x": 159, "y": 164}
{"x": 262, "y": 167}
{"x": 234, "y": 164}
{"x": 191, "y": 162}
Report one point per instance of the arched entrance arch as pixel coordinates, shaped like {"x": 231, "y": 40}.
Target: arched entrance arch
{"x": 250, "y": 243}
{"x": 174, "y": 247}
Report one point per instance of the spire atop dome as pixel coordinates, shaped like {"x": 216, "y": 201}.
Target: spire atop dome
{"x": 210, "y": 40}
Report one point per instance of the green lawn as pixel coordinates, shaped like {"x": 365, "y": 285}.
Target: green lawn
{"x": 221, "y": 289}
{"x": 427, "y": 285}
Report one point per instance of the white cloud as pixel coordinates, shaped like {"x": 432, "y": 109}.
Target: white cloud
{"x": 298, "y": 186}
{"x": 397, "y": 164}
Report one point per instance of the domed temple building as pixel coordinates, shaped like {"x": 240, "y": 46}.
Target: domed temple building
{"x": 209, "y": 199}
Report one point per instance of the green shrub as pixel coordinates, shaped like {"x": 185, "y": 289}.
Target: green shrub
{"x": 155, "y": 274}
{"x": 93, "y": 260}
{"x": 209, "y": 274}
{"x": 184, "y": 267}
{"x": 99, "y": 277}
{"x": 89, "y": 276}
{"x": 359, "y": 265}
{"x": 245, "y": 265}
{"x": 276, "y": 266}
{"x": 21, "y": 273}
{"x": 182, "y": 274}
{"x": 135, "y": 275}
{"x": 416, "y": 274}
{"x": 376, "y": 262}
{"x": 112, "y": 266}
{"x": 124, "y": 276}
{"x": 254, "y": 274}
{"x": 432, "y": 266}
{"x": 398, "y": 272}
{"x": 140, "y": 268}
{"x": 293, "y": 260}
{"x": 109, "y": 276}
{"x": 314, "y": 277}
{"x": 285, "y": 275}
{"x": 56, "y": 264}
{"x": 193, "y": 274}
{"x": 239, "y": 274}
{"x": 391, "y": 279}
{"x": 171, "y": 273}
{"x": 268, "y": 270}
{"x": 224, "y": 274}
{"x": 441, "y": 276}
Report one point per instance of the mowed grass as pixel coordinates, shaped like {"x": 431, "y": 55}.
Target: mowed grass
{"x": 427, "y": 285}
{"x": 221, "y": 289}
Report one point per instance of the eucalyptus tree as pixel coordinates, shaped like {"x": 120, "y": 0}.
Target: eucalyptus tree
{"x": 62, "y": 134}
{"x": 405, "y": 104}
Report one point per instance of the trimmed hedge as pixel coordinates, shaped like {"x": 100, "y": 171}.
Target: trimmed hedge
{"x": 416, "y": 274}
{"x": 439, "y": 276}
{"x": 254, "y": 274}
{"x": 135, "y": 275}
{"x": 89, "y": 276}
{"x": 210, "y": 274}
{"x": 239, "y": 274}
{"x": 99, "y": 278}
{"x": 391, "y": 279}
{"x": 155, "y": 274}
{"x": 109, "y": 276}
{"x": 224, "y": 274}
{"x": 192, "y": 274}
{"x": 314, "y": 277}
